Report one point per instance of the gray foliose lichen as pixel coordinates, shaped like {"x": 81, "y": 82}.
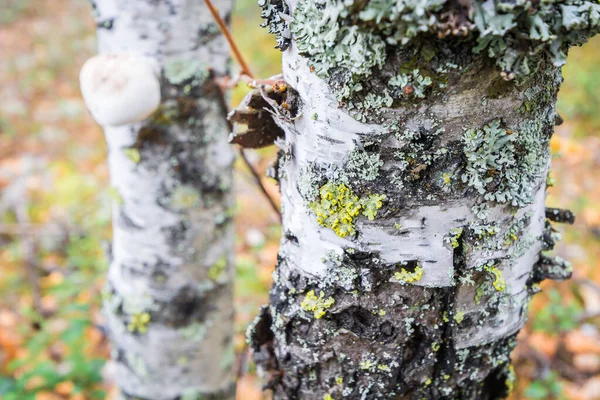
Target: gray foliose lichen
{"x": 351, "y": 39}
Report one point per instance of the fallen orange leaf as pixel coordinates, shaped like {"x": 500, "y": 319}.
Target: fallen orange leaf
{"x": 579, "y": 342}
{"x": 64, "y": 388}
{"x": 543, "y": 343}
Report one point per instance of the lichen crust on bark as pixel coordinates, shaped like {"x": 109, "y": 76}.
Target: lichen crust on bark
{"x": 168, "y": 299}
{"x": 413, "y": 180}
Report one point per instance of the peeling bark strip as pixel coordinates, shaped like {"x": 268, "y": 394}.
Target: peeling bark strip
{"x": 168, "y": 301}
{"x": 413, "y": 182}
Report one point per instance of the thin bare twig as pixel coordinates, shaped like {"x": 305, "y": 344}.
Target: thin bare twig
{"x": 245, "y": 71}
{"x": 236, "y": 52}
{"x": 259, "y": 183}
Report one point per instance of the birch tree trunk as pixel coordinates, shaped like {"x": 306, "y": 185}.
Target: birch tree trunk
{"x": 413, "y": 181}
{"x": 168, "y": 302}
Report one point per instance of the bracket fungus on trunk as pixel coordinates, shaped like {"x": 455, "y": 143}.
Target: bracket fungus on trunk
{"x": 119, "y": 89}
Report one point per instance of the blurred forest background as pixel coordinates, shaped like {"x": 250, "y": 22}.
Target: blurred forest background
{"x": 55, "y": 219}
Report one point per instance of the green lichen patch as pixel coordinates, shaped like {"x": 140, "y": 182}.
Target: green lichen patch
{"x": 455, "y": 234}
{"x": 195, "y": 331}
{"x": 133, "y": 154}
{"x": 308, "y": 183}
{"x": 459, "y": 317}
{"x": 215, "y": 272}
{"x": 512, "y": 33}
{"x": 317, "y": 305}
{"x": 349, "y": 40}
{"x": 338, "y": 207}
{"x": 139, "y": 322}
{"x": 114, "y": 194}
{"x": 363, "y": 165}
{"x": 504, "y": 165}
{"x": 405, "y": 276}
{"x": 273, "y": 12}
{"x": 320, "y": 33}
{"x": 418, "y": 153}
{"x": 515, "y": 33}
{"x": 413, "y": 84}
{"x": 185, "y": 197}
{"x": 499, "y": 283}
{"x": 367, "y": 365}
{"x": 191, "y": 72}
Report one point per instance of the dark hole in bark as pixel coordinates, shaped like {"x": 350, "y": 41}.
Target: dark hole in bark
{"x": 467, "y": 322}
{"x": 408, "y": 266}
{"x": 356, "y": 319}
{"x": 360, "y": 255}
{"x": 149, "y": 135}
{"x": 261, "y": 333}
{"x": 291, "y": 238}
{"x": 186, "y": 108}
{"x": 387, "y": 329}
{"x": 188, "y": 306}
{"x": 296, "y": 280}
{"x": 492, "y": 310}
{"x": 494, "y": 385}
{"x": 414, "y": 344}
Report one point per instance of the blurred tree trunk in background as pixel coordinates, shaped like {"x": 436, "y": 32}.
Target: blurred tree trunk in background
{"x": 168, "y": 301}
{"x": 413, "y": 180}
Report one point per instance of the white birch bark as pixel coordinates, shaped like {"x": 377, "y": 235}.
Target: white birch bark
{"x": 168, "y": 302}
{"x": 413, "y": 182}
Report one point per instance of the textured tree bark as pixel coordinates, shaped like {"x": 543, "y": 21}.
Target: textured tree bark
{"x": 413, "y": 189}
{"x": 168, "y": 301}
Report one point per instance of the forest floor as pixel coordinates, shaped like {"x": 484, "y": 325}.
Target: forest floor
{"x": 55, "y": 219}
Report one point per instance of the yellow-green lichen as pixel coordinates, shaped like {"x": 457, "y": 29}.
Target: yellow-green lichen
{"x": 550, "y": 181}
{"x": 338, "y": 207}
{"x": 445, "y": 317}
{"x": 195, "y": 331}
{"x": 339, "y": 380}
{"x": 185, "y": 197}
{"x": 510, "y": 379}
{"x": 178, "y": 72}
{"x": 139, "y": 322}
{"x": 405, "y": 276}
{"x": 366, "y": 365}
{"x": 317, "y": 305}
{"x": 455, "y": 234}
{"x": 383, "y": 367}
{"x": 499, "y": 283}
{"x": 133, "y": 154}
{"x": 115, "y": 195}
{"x": 459, "y": 317}
{"x": 217, "y": 269}
{"x": 479, "y": 294}
{"x": 447, "y": 178}
{"x": 327, "y": 397}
